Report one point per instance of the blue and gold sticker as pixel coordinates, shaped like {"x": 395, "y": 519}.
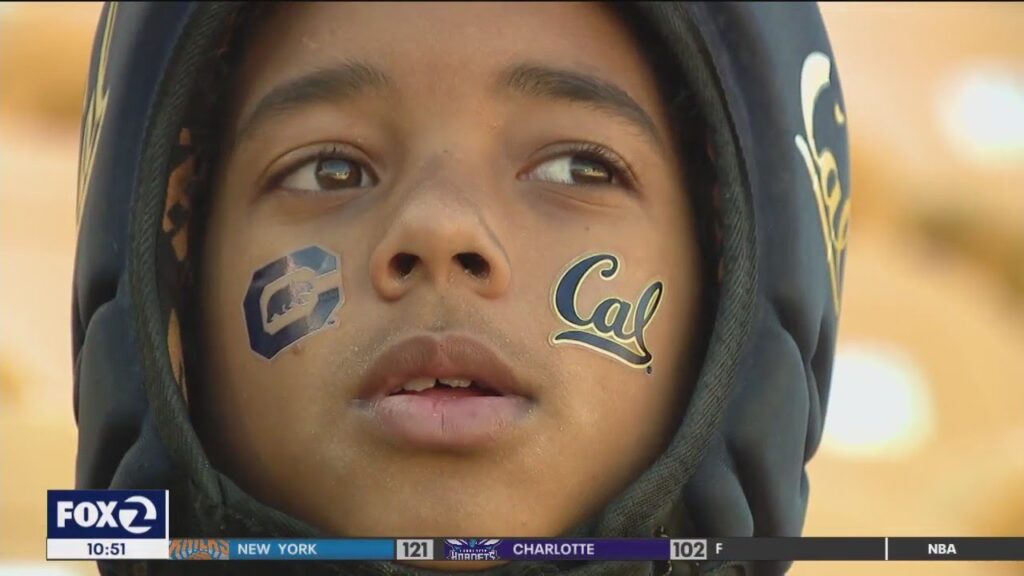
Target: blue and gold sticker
{"x": 615, "y": 327}
{"x": 291, "y": 298}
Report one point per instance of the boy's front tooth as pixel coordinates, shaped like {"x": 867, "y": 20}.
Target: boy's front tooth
{"x": 418, "y": 384}
{"x": 456, "y": 382}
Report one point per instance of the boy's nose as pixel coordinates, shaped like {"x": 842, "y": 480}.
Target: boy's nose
{"x": 438, "y": 240}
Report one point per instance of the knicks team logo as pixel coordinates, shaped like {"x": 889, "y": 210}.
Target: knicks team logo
{"x": 291, "y": 298}
{"x": 615, "y": 327}
{"x": 199, "y": 549}
{"x": 107, "y": 514}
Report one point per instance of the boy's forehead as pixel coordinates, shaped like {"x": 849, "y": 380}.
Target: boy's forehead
{"x": 406, "y": 46}
{"x": 478, "y": 26}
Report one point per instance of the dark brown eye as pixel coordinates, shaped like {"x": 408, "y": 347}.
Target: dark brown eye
{"x": 586, "y": 171}
{"x": 574, "y": 170}
{"x": 328, "y": 174}
{"x": 335, "y": 173}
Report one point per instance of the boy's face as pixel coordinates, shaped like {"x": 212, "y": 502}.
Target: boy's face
{"x": 457, "y": 159}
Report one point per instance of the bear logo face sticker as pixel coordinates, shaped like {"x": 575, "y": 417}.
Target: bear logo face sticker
{"x": 615, "y": 327}
{"x": 291, "y": 298}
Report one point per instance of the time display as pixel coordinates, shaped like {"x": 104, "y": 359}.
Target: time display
{"x": 106, "y": 549}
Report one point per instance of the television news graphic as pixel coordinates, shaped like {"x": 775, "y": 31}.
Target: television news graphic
{"x": 106, "y": 524}
{"x": 276, "y": 549}
{"x": 599, "y": 549}
{"x": 134, "y": 524}
{"x": 281, "y": 549}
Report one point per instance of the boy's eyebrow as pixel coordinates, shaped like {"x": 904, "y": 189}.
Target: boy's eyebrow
{"x": 346, "y": 80}
{"x": 560, "y": 84}
{"x": 352, "y": 78}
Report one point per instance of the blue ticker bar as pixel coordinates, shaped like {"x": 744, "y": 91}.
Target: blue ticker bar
{"x": 599, "y": 549}
{"x": 351, "y": 549}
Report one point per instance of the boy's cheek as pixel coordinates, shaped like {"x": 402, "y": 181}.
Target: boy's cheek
{"x": 615, "y": 385}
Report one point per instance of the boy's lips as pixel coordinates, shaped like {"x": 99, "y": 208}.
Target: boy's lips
{"x": 452, "y": 413}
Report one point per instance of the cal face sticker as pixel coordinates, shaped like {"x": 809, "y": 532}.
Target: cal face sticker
{"x": 291, "y": 298}
{"x": 615, "y": 327}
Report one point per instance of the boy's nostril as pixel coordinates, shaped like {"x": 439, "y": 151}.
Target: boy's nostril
{"x": 475, "y": 264}
{"x": 404, "y": 263}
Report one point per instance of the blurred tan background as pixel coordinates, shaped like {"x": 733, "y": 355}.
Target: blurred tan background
{"x": 933, "y": 323}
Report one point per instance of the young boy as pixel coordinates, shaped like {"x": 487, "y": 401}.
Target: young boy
{"x": 453, "y": 270}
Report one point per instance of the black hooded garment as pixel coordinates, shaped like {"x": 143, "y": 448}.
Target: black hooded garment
{"x": 762, "y": 78}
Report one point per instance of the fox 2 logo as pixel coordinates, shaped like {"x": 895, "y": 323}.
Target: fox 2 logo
{"x": 110, "y": 514}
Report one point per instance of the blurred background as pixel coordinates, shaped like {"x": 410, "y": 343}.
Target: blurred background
{"x": 924, "y": 435}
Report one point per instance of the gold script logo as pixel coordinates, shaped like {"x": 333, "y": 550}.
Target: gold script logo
{"x": 615, "y": 327}
{"x": 95, "y": 110}
{"x": 833, "y": 206}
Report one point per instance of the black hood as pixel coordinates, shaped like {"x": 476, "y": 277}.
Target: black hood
{"x": 763, "y": 79}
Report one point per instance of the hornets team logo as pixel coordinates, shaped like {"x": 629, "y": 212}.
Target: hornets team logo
{"x": 471, "y": 549}
{"x": 615, "y": 327}
{"x": 291, "y": 298}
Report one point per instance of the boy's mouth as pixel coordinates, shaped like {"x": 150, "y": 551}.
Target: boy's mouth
{"x": 442, "y": 393}
{"x": 445, "y": 388}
